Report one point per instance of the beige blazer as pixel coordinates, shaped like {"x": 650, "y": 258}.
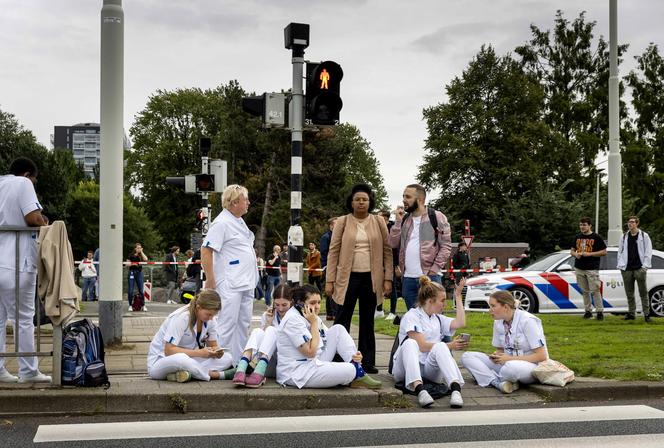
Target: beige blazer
{"x": 340, "y": 256}
{"x": 56, "y": 274}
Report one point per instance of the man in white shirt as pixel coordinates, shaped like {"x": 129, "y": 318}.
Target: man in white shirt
{"x": 229, "y": 262}
{"x": 19, "y": 207}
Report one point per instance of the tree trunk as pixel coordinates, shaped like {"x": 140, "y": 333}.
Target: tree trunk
{"x": 267, "y": 205}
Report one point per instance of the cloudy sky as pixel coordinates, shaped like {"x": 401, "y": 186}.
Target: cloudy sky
{"x": 397, "y": 56}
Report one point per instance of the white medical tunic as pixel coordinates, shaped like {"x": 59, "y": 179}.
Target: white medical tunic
{"x": 234, "y": 258}
{"x": 434, "y": 327}
{"x": 525, "y": 335}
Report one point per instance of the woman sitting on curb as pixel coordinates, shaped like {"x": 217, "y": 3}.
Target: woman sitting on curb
{"x": 185, "y": 346}
{"x": 260, "y": 351}
{"x": 519, "y": 340}
{"x": 422, "y": 352}
{"x": 306, "y": 348}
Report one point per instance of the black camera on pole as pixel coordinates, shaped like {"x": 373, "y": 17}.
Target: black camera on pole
{"x": 323, "y": 95}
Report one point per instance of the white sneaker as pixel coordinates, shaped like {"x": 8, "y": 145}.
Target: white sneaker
{"x": 424, "y": 399}
{"x": 379, "y": 314}
{"x": 36, "y": 378}
{"x": 390, "y": 316}
{"x": 456, "y": 401}
{"x": 145, "y": 308}
{"x": 507, "y": 387}
{"x": 6, "y": 377}
{"x": 130, "y": 309}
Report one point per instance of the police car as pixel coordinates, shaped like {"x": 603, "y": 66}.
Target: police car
{"x": 549, "y": 286}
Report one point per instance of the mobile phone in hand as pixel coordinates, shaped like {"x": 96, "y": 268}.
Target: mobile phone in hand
{"x": 465, "y": 337}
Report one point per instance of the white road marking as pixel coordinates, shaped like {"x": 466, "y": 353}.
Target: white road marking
{"x": 247, "y": 426}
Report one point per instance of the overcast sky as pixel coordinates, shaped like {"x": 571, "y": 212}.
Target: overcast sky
{"x": 397, "y": 56}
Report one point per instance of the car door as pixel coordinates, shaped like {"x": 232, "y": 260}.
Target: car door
{"x": 613, "y": 289}
{"x": 562, "y": 289}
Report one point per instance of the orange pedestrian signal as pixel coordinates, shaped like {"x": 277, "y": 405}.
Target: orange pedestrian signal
{"x": 323, "y": 99}
{"x": 324, "y": 78}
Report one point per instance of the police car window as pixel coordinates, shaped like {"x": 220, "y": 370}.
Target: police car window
{"x": 657, "y": 262}
{"x": 609, "y": 261}
{"x": 568, "y": 262}
{"x": 545, "y": 263}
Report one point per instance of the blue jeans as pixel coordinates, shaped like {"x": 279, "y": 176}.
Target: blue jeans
{"x": 272, "y": 282}
{"x": 135, "y": 277}
{"x": 410, "y": 286}
{"x": 88, "y": 288}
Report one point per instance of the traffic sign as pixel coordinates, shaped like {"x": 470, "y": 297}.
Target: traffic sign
{"x": 468, "y": 240}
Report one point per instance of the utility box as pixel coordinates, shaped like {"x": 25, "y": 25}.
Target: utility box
{"x": 275, "y": 110}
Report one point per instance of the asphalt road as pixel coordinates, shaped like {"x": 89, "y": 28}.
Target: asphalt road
{"x": 575, "y": 424}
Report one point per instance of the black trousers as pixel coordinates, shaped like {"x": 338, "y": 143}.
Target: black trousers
{"x": 360, "y": 287}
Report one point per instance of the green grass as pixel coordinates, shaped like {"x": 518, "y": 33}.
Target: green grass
{"x": 614, "y": 348}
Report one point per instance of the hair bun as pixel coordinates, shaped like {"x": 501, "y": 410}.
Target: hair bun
{"x": 424, "y": 280}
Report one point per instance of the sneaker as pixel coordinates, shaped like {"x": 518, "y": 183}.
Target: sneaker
{"x": 390, "y": 316}
{"x": 588, "y": 315}
{"x": 239, "y": 378}
{"x": 145, "y": 308}
{"x": 600, "y": 316}
{"x": 36, "y": 378}
{"x": 130, "y": 309}
{"x": 254, "y": 380}
{"x": 507, "y": 387}
{"x": 379, "y": 314}
{"x": 629, "y": 316}
{"x": 366, "y": 382}
{"x": 6, "y": 377}
{"x": 456, "y": 401}
{"x": 424, "y": 399}
{"x": 181, "y": 376}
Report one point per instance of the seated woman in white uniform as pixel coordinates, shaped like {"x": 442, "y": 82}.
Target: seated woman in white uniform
{"x": 185, "y": 346}
{"x": 519, "y": 340}
{"x": 422, "y": 352}
{"x": 260, "y": 351}
{"x": 306, "y": 348}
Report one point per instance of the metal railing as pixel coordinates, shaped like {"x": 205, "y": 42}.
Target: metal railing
{"x": 56, "y": 353}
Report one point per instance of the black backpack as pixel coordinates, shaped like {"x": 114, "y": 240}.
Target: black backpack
{"x": 83, "y": 355}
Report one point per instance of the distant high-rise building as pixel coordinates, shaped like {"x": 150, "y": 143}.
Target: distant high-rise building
{"x": 84, "y": 141}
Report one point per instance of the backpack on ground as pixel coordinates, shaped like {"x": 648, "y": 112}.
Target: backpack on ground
{"x": 83, "y": 355}
{"x": 137, "y": 302}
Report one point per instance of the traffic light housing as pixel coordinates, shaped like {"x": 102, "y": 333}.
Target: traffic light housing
{"x": 323, "y": 97}
{"x": 204, "y": 183}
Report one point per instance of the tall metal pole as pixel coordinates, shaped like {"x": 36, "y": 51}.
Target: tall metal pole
{"x": 110, "y": 192}
{"x": 615, "y": 163}
{"x": 597, "y": 204}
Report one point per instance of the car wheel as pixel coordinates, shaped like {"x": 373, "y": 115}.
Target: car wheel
{"x": 528, "y": 301}
{"x": 657, "y": 302}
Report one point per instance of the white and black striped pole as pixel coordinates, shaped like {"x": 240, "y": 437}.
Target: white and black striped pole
{"x": 296, "y": 39}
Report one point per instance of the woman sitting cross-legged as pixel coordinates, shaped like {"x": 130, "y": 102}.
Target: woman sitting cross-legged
{"x": 422, "y": 352}
{"x": 185, "y": 346}
{"x": 519, "y": 340}
{"x": 306, "y": 348}
{"x": 260, "y": 351}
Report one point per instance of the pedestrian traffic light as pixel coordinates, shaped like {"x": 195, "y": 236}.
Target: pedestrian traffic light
{"x": 204, "y": 182}
{"x": 323, "y": 100}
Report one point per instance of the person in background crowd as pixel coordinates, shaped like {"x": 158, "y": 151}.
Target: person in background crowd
{"x": 524, "y": 260}
{"x": 314, "y": 266}
{"x": 634, "y": 260}
{"x": 89, "y": 274}
{"x": 330, "y": 306}
{"x": 273, "y": 268}
{"x": 19, "y": 206}
{"x": 520, "y": 344}
{"x": 461, "y": 260}
{"x": 171, "y": 272}
{"x": 588, "y": 247}
{"x": 95, "y": 259}
{"x": 283, "y": 256}
{"x": 260, "y": 264}
{"x": 360, "y": 267}
{"x": 194, "y": 269}
{"x": 135, "y": 274}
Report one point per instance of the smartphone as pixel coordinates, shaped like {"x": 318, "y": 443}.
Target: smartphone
{"x": 220, "y": 349}
{"x": 465, "y": 337}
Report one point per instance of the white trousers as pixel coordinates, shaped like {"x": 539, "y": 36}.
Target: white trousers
{"x": 438, "y": 367}
{"x": 328, "y": 373}
{"x": 27, "y": 366}
{"x": 262, "y": 341}
{"x": 234, "y": 320}
{"x": 484, "y": 370}
{"x": 198, "y": 367}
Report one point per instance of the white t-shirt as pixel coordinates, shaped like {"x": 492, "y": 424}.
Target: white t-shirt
{"x": 434, "y": 327}
{"x": 17, "y": 200}
{"x": 175, "y": 330}
{"x": 291, "y": 363}
{"x": 526, "y": 334}
{"x": 234, "y": 258}
{"x": 413, "y": 266}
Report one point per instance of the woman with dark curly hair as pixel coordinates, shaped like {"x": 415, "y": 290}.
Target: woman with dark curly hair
{"x": 359, "y": 266}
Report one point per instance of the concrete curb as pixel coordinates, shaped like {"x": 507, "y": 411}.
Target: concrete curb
{"x": 600, "y": 391}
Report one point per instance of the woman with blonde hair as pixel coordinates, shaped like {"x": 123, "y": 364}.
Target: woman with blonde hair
{"x": 185, "y": 346}
{"x": 520, "y": 344}
{"x": 422, "y": 352}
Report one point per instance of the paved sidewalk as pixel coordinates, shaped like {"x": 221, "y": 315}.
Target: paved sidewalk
{"x": 132, "y": 391}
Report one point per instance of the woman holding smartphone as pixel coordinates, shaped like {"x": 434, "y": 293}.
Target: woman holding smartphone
{"x": 185, "y": 346}
{"x": 422, "y": 352}
{"x": 520, "y": 344}
{"x": 306, "y": 348}
{"x": 260, "y": 351}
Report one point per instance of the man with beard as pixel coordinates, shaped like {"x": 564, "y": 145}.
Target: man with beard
{"x": 423, "y": 238}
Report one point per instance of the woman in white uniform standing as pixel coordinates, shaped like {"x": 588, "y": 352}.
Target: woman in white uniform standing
{"x": 306, "y": 348}
{"x": 261, "y": 348}
{"x": 229, "y": 262}
{"x": 422, "y": 352}
{"x": 185, "y": 346}
{"x": 520, "y": 344}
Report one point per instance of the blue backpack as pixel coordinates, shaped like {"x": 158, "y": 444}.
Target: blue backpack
{"x": 83, "y": 355}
